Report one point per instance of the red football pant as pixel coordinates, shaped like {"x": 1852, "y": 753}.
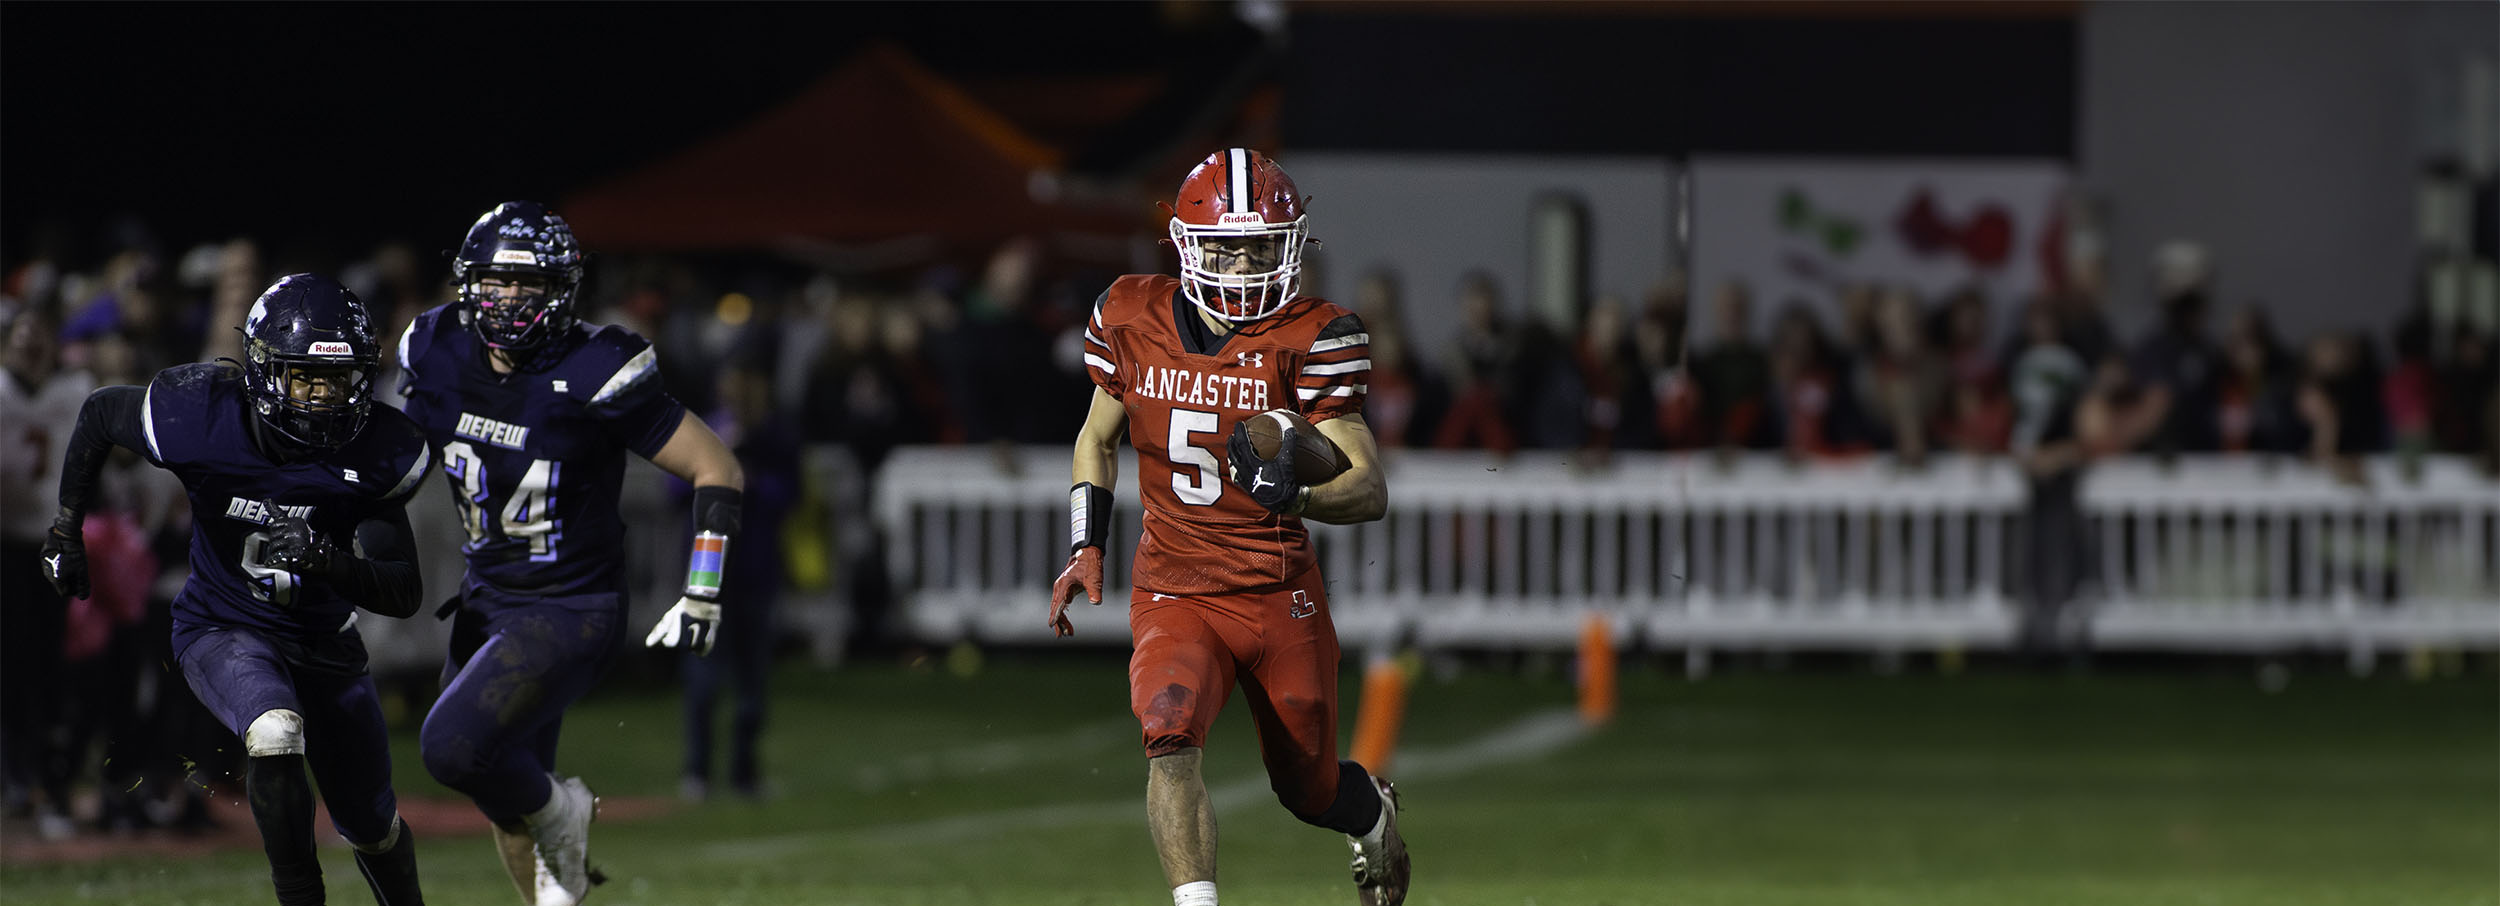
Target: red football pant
{"x": 1279, "y": 645}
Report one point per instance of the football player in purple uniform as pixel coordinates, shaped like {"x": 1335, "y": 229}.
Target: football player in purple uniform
{"x": 532, "y": 412}
{"x": 291, "y": 467}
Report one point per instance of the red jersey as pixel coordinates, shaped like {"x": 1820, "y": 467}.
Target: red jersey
{"x": 1184, "y": 390}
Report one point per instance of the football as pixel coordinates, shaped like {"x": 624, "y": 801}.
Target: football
{"x": 1315, "y": 457}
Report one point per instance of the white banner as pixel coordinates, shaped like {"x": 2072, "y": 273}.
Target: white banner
{"x": 1796, "y": 230}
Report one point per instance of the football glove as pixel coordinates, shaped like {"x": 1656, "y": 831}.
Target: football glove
{"x": 65, "y": 554}
{"x": 694, "y": 624}
{"x": 1084, "y": 573}
{"x": 1271, "y": 482}
{"x": 293, "y": 546}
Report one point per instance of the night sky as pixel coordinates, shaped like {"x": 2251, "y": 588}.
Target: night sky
{"x": 345, "y": 124}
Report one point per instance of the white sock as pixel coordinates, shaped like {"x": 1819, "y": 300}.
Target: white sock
{"x": 1380, "y": 825}
{"x": 1194, "y": 893}
{"x": 555, "y": 803}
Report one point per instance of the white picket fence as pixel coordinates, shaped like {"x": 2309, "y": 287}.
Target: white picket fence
{"x": 1698, "y": 553}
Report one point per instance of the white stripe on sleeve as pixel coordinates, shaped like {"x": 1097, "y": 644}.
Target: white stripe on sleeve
{"x": 1337, "y": 367}
{"x": 631, "y": 373}
{"x": 1341, "y": 342}
{"x": 1312, "y": 393}
{"x": 147, "y": 419}
{"x": 416, "y": 471}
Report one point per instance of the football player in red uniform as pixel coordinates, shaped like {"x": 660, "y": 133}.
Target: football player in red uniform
{"x": 1226, "y": 590}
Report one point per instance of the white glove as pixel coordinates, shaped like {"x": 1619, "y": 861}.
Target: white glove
{"x": 694, "y": 623}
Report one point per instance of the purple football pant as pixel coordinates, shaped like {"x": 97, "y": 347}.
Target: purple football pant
{"x": 239, "y": 675}
{"x": 516, "y": 664}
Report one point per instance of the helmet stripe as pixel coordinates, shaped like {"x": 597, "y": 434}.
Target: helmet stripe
{"x": 1241, "y": 180}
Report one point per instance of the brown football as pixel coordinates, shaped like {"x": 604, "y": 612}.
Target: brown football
{"x": 1315, "y": 457}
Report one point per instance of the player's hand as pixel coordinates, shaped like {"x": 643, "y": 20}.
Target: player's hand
{"x": 693, "y": 624}
{"x": 1271, "y": 482}
{"x": 1084, "y": 573}
{"x": 294, "y": 546}
{"x": 65, "y": 555}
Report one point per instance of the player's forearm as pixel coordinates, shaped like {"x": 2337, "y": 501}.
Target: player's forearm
{"x": 1096, "y": 462}
{"x": 112, "y": 416}
{"x": 386, "y": 580}
{"x": 1359, "y": 495}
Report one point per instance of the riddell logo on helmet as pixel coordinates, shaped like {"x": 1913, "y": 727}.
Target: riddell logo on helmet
{"x": 515, "y": 256}
{"x": 333, "y": 349}
{"x": 1230, "y": 218}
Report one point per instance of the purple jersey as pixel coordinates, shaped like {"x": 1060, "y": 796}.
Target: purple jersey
{"x": 536, "y": 457}
{"x": 199, "y": 429}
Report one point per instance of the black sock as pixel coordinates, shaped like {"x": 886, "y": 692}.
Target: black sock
{"x": 392, "y": 873}
{"x": 282, "y": 804}
{"x": 1357, "y": 806}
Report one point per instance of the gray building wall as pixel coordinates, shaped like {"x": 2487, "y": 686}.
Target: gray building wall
{"x": 1434, "y": 217}
{"x": 2287, "y": 137}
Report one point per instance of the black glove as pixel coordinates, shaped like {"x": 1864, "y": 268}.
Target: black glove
{"x": 294, "y": 546}
{"x": 1271, "y": 482}
{"x": 65, "y": 554}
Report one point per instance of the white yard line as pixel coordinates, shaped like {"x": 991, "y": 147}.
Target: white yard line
{"x": 1526, "y": 739}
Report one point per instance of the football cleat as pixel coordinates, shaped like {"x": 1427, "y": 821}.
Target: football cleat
{"x": 520, "y": 861}
{"x": 1381, "y": 872}
{"x": 562, "y": 844}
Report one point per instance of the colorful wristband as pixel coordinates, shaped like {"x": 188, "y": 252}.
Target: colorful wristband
{"x": 703, "y": 567}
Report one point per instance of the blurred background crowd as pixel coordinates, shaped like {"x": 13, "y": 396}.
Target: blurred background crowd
{"x": 798, "y": 338}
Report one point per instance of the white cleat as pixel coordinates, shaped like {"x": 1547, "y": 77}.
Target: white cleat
{"x": 520, "y": 861}
{"x": 561, "y": 834}
{"x": 1381, "y": 872}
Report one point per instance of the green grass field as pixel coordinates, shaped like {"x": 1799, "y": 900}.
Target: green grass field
{"x": 1022, "y": 785}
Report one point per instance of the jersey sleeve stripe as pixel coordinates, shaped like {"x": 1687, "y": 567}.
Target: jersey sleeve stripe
{"x": 416, "y": 472}
{"x": 1312, "y": 393}
{"x": 1092, "y": 340}
{"x": 634, "y": 371}
{"x": 1319, "y": 368}
{"x": 1360, "y": 339}
{"x": 147, "y": 419}
{"x": 404, "y": 337}
{"x": 1099, "y": 363}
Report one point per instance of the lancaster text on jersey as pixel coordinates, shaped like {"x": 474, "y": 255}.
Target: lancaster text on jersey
{"x": 1181, "y": 385}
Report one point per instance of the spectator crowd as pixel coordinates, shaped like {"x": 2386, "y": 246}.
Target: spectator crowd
{"x": 781, "y": 359}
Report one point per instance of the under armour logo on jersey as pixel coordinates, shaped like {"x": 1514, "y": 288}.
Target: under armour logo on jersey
{"x": 349, "y": 474}
{"x": 560, "y": 385}
{"x": 1251, "y": 359}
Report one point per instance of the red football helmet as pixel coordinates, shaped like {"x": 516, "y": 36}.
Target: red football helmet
{"x": 1245, "y": 203}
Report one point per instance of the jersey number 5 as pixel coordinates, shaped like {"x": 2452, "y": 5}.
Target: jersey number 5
{"x": 525, "y": 517}
{"x": 1208, "y": 485}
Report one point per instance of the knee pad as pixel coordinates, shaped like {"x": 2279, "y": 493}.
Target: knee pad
{"x": 388, "y": 840}
{"x": 277, "y": 731}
